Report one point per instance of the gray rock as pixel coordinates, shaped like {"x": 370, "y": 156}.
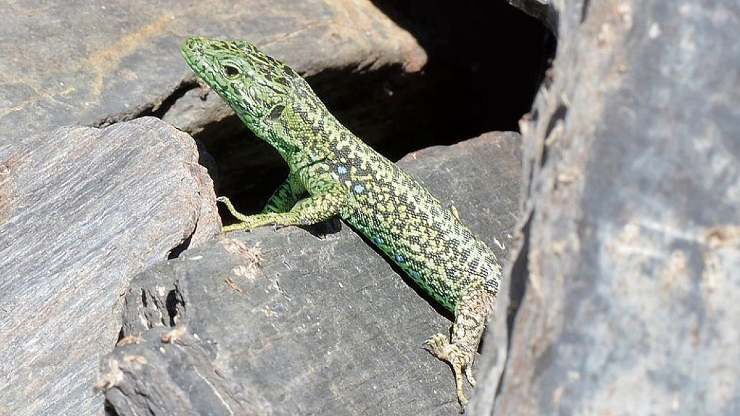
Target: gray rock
{"x": 633, "y": 242}
{"x": 83, "y": 210}
{"x": 177, "y": 375}
{"x": 100, "y": 61}
{"x": 287, "y": 323}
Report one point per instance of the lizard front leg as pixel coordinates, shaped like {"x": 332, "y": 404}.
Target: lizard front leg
{"x": 471, "y": 316}
{"x": 282, "y": 200}
{"x": 286, "y": 196}
{"x": 328, "y": 198}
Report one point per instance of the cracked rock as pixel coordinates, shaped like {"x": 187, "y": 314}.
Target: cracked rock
{"x": 305, "y": 325}
{"x": 82, "y": 210}
{"x": 98, "y": 62}
{"x": 633, "y": 246}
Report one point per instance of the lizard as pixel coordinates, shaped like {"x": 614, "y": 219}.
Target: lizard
{"x": 334, "y": 173}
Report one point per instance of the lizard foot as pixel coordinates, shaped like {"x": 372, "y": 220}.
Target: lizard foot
{"x": 250, "y": 222}
{"x": 459, "y": 359}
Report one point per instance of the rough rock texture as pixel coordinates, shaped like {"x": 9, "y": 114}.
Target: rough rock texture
{"x": 287, "y": 323}
{"x": 460, "y": 93}
{"x": 82, "y": 211}
{"x": 88, "y": 62}
{"x": 633, "y": 242}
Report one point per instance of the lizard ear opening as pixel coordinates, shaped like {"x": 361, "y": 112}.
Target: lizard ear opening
{"x": 276, "y": 112}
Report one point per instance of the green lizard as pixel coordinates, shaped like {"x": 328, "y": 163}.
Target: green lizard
{"x": 344, "y": 177}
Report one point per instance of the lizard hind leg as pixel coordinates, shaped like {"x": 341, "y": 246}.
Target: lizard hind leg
{"x": 460, "y": 361}
{"x": 470, "y": 321}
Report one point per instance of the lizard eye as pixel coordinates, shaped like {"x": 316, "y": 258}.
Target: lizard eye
{"x": 231, "y": 71}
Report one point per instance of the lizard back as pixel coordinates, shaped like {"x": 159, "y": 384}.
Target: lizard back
{"x": 405, "y": 221}
{"x": 346, "y": 177}
{"x": 387, "y": 205}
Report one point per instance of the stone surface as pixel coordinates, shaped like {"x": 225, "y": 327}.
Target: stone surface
{"x": 633, "y": 232}
{"x": 287, "y": 323}
{"x": 92, "y": 62}
{"x": 460, "y": 93}
{"x": 178, "y": 376}
{"x": 82, "y": 211}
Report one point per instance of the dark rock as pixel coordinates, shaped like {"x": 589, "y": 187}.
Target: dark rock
{"x": 465, "y": 92}
{"x": 102, "y": 61}
{"x": 82, "y": 211}
{"x": 543, "y": 10}
{"x": 633, "y": 243}
{"x": 309, "y": 325}
{"x": 184, "y": 382}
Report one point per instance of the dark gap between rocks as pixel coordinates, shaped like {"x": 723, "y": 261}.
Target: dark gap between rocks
{"x": 159, "y": 110}
{"x": 489, "y": 59}
{"x": 173, "y": 303}
{"x": 177, "y": 250}
{"x": 109, "y": 409}
{"x": 120, "y": 335}
{"x": 486, "y": 61}
{"x": 153, "y": 109}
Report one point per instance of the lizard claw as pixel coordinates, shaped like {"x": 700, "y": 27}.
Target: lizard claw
{"x": 469, "y": 375}
{"x": 440, "y": 347}
{"x": 437, "y": 346}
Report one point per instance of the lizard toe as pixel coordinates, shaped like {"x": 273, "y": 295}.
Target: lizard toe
{"x": 438, "y": 345}
{"x": 469, "y": 374}
{"x": 458, "y": 359}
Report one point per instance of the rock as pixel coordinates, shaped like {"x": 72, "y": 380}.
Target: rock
{"x": 102, "y": 61}
{"x": 632, "y": 246}
{"x": 387, "y": 107}
{"x": 83, "y": 210}
{"x": 99, "y": 62}
{"x": 543, "y": 10}
{"x": 287, "y": 323}
{"x": 184, "y": 383}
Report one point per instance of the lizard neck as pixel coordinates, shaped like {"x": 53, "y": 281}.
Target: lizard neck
{"x": 303, "y": 134}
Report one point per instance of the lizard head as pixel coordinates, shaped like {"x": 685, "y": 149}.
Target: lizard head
{"x": 258, "y": 87}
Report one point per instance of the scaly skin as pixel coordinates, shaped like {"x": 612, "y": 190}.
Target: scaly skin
{"x": 342, "y": 176}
